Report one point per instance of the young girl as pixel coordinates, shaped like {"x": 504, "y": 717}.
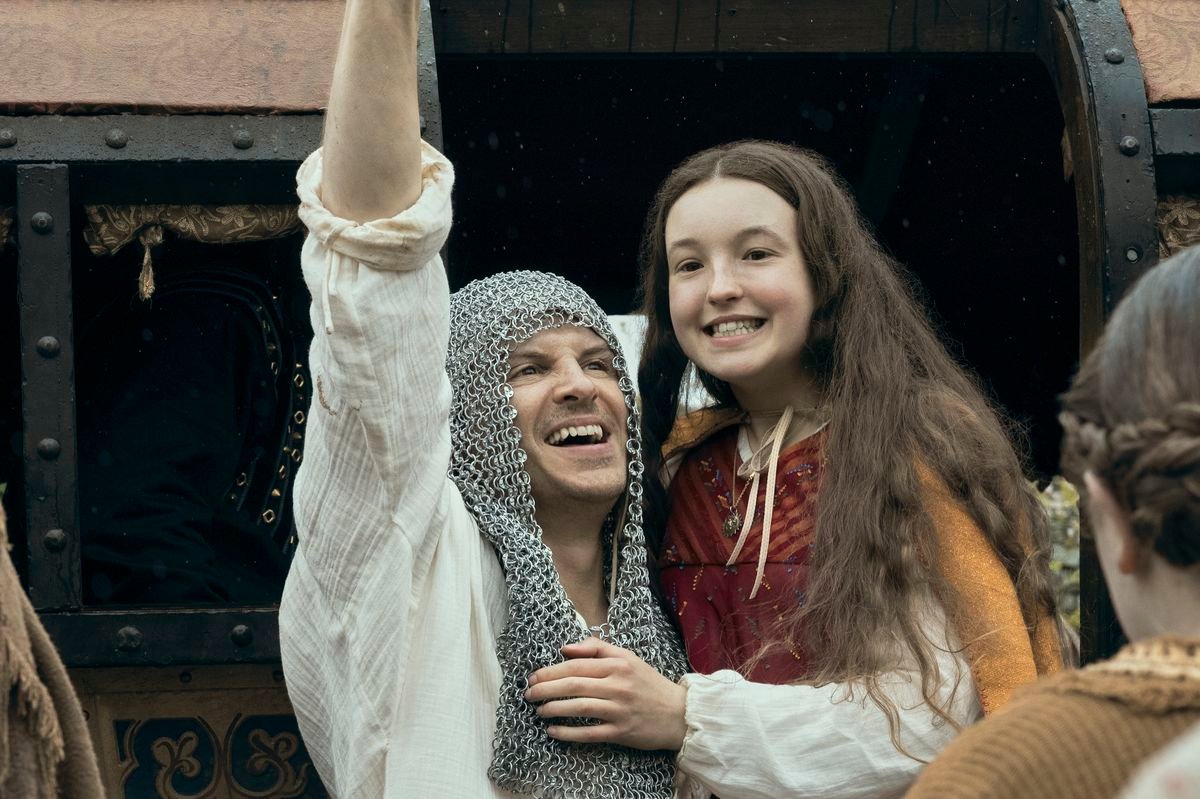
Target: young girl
{"x": 848, "y": 527}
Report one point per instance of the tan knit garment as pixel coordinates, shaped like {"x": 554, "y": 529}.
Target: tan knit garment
{"x": 1077, "y": 734}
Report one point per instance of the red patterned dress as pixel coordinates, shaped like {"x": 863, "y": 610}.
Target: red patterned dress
{"x": 722, "y": 627}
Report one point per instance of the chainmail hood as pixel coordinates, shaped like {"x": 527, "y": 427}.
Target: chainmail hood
{"x": 487, "y": 318}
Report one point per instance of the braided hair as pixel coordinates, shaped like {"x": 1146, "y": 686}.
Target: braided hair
{"x": 1132, "y": 415}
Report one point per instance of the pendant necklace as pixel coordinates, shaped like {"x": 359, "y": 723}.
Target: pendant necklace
{"x": 733, "y": 522}
{"x": 755, "y": 465}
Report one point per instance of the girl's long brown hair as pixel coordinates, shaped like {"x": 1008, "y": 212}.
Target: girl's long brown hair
{"x": 899, "y": 402}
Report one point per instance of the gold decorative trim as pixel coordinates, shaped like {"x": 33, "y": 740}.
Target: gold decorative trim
{"x": 1178, "y": 224}
{"x": 111, "y": 227}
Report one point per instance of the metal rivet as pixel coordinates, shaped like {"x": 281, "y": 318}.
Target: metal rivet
{"x": 1129, "y": 145}
{"x": 268, "y": 516}
{"x": 242, "y": 139}
{"x": 241, "y": 635}
{"x": 7, "y": 137}
{"x": 1113, "y": 56}
{"x": 49, "y": 449}
{"x": 1133, "y": 253}
{"x": 129, "y": 639}
{"x": 41, "y": 222}
{"x": 116, "y": 138}
{"x": 185, "y": 677}
{"x": 298, "y": 417}
{"x": 55, "y": 540}
{"x": 48, "y": 346}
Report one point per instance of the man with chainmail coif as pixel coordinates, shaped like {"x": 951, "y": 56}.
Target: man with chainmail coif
{"x": 469, "y": 503}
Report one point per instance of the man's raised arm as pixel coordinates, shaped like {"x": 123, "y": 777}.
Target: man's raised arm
{"x": 372, "y": 127}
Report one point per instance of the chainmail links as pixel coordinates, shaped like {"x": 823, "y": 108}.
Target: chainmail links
{"x": 487, "y": 318}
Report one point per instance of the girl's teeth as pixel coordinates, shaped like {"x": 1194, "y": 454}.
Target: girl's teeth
{"x": 733, "y": 328}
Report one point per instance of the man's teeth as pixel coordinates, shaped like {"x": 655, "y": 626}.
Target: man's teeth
{"x": 593, "y": 434}
{"x": 738, "y": 328}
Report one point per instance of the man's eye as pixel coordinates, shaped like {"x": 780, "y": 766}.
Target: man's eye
{"x": 603, "y": 366}
{"x": 523, "y": 371}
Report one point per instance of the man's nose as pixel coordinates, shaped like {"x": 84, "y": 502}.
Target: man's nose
{"x": 573, "y": 384}
{"x": 725, "y": 284}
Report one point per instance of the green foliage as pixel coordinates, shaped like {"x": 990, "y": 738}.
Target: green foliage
{"x": 1060, "y": 500}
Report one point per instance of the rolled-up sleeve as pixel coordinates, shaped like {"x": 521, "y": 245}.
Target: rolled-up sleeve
{"x": 372, "y": 497}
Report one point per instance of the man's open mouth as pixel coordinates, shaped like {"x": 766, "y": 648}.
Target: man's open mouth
{"x": 577, "y": 436}
{"x": 739, "y": 327}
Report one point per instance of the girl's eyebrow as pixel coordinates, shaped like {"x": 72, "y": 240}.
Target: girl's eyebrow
{"x": 759, "y": 230}
{"x": 682, "y": 243}
{"x": 745, "y": 233}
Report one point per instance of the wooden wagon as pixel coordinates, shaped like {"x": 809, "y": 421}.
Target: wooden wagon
{"x": 1027, "y": 158}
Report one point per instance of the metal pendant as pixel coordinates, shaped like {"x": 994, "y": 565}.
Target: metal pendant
{"x": 733, "y": 523}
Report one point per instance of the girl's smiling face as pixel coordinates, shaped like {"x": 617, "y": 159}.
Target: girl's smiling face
{"x": 740, "y": 295}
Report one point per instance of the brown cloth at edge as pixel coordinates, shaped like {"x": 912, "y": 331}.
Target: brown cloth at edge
{"x": 45, "y": 749}
{"x": 1001, "y": 650}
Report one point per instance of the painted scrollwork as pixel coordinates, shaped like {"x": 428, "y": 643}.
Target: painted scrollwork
{"x": 258, "y": 757}
{"x": 168, "y": 758}
{"x": 175, "y": 757}
{"x": 266, "y": 758}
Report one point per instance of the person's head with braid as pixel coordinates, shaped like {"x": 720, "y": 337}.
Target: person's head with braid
{"x": 1132, "y": 438}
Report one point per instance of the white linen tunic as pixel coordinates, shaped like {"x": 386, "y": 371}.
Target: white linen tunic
{"x": 394, "y": 601}
{"x": 391, "y": 610}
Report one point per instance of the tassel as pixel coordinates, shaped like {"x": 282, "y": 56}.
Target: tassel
{"x": 151, "y": 236}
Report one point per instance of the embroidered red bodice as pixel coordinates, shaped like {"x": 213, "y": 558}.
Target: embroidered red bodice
{"x": 722, "y": 627}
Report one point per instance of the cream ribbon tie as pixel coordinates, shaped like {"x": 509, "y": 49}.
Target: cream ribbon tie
{"x": 766, "y": 457}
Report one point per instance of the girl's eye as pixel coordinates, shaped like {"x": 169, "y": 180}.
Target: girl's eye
{"x": 757, "y": 255}
{"x": 688, "y": 266}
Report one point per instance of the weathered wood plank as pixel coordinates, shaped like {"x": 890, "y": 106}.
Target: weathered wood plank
{"x": 882, "y": 26}
{"x": 751, "y": 26}
{"x": 235, "y": 55}
{"x": 699, "y": 26}
{"x": 264, "y": 55}
{"x": 581, "y": 26}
